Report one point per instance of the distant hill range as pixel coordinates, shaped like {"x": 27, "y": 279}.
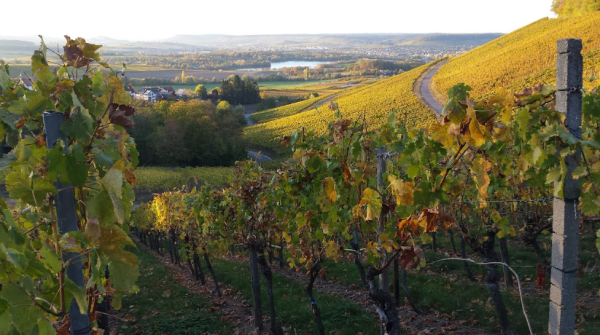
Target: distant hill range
{"x": 15, "y": 47}
{"x": 450, "y": 40}
{"x": 337, "y": 40}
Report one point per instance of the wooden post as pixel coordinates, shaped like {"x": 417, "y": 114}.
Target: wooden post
{"x": 565, "y": 225}
{"x": 384, "y": 277}
{"x": 66, "y": 217}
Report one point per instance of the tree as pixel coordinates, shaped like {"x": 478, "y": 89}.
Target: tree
{"x": 238, "y": 91}
{"x": 201, "y": 91}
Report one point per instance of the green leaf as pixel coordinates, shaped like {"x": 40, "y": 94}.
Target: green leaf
{"x": 76, "y": 169}
{"x": 589, "y": 204}
{"x": 122, "y": 264}
{"x": 413, "y": 171}
{"x": 18, "y": 259}
{"x": 78, "y": 293}
{"x": 539, "y": 156}
{"x": 40, "y": 68}
{"x": 44, "y": 327}
{"x": 98, "y": 204}
{"x": 391, "y": 120}
{"x": 31, "y": 190}
{"x": 4, "y": 305}
{"x": 32, "y": 104}
{"x": 51, "y": 259}
{"x": 4, "y": 76}
{"x": 553, "y": 175}
{"x": 522, "y": 119}
{"x": 78, "y": 126}
{"x": 579, "y": 172}
{"x": 113, "y": 182}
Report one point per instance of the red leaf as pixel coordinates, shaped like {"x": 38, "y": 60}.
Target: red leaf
{"x": 119, "y": 115}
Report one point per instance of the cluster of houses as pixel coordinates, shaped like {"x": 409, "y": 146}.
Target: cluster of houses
{"x": 153, "y": 94}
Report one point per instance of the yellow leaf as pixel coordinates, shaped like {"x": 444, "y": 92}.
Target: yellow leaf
{"x": 403, "y": 191}
{"x": 371, "y": 198}
{"x": 440, "y": 134}
{"x": 476, "y": 134}
{"x": 329, "y": 186}
{"x": 480, "y": 170}
{"x": 286, "y": 237}
{"x": 331, "y": 249}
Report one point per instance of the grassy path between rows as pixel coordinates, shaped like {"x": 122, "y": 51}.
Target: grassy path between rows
{"x": 292, "y": 306}
{"x": 163, "y": 306}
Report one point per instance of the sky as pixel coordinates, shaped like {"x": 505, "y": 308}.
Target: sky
{"x": 139, "y": 20}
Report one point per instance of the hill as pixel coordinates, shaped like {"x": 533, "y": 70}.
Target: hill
{"x": 376, "y": 101}
{"x": 523, "y": 58}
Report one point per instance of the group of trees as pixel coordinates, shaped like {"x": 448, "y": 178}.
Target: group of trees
{"x": 373, "y": 66}
{"x": 575, "y": 7}
{"x": 184, "y": 133}
{"x": 236, "y": 90}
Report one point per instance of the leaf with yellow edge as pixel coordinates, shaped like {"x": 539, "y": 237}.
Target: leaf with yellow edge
{"x": 403, "y": 191}
{"x": 480, "y": 168}
{"x": 329, "y": 186}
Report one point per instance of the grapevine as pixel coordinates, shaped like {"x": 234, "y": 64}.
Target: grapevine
{"x": 97, "y": 158}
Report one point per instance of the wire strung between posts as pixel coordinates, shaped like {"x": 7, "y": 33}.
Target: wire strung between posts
{"x": 496, "y": 263}
{"x": 503, "y": 201}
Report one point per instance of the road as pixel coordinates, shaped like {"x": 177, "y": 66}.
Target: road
{"x": 425, "y": 92}
{"x": 262, "y": 158}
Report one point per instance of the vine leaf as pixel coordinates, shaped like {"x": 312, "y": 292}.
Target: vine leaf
{"x": 118, "y": 114}
{"x": 403, "y": 191}
{"x": 79, "y": 125}
{"x": 480, "y": 168}
{"x": 329, "y": 185}
{"x": 371, "y": 199}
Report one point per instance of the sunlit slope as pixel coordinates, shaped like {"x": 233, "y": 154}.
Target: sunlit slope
{"x": 524, "y": 58}
{"x": 376, "y": 101}
{"x": 287, "y": 110}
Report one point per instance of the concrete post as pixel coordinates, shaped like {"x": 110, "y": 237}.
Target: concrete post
{"x": 67, "y": 222}
{"x": 565, "y": 226}
{"x": 384, "y": 277}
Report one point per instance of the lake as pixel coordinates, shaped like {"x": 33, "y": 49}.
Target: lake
{"x": 292, "y": 63}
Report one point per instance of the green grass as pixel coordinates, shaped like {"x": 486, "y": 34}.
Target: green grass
{"x": 443, "y": 287}
{"x": 164, "y": 307}
{"x": 162, "y": 178}
{"x": 292, "y": 306}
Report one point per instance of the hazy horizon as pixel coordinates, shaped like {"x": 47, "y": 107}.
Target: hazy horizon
{"x": 129, "y": 21}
